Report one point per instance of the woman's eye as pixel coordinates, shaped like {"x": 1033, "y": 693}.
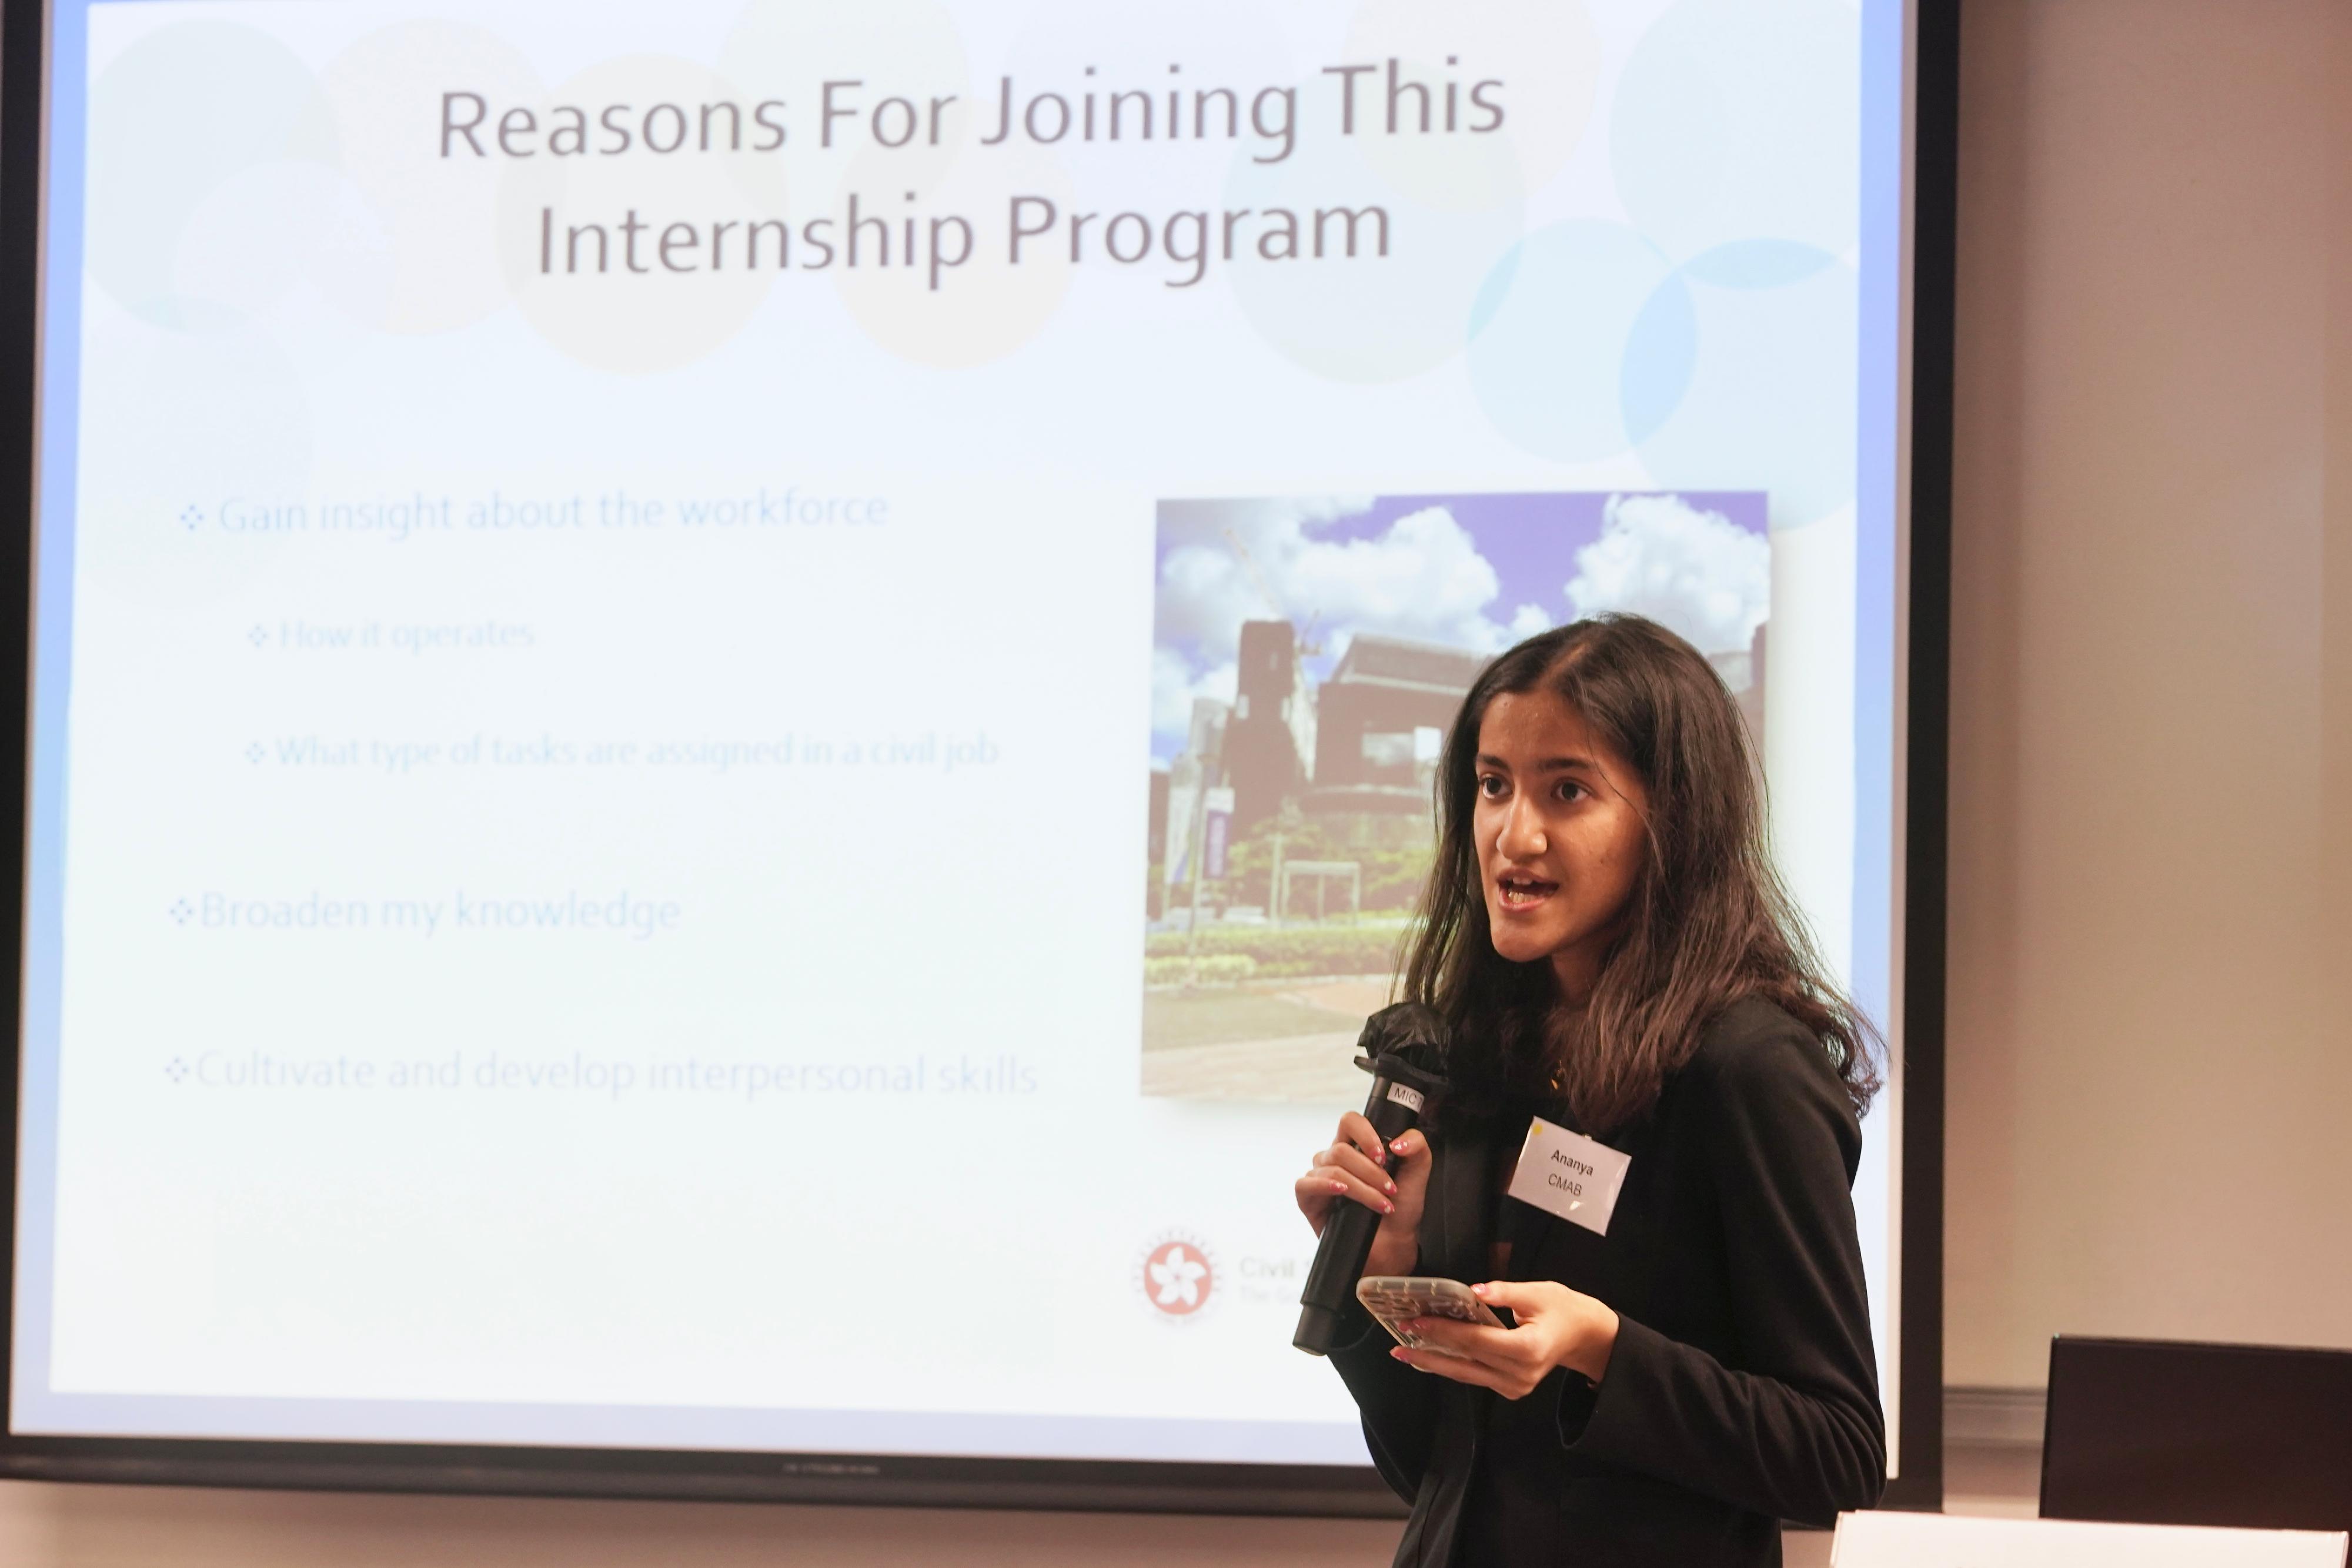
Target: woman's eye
{"x": 1570, "y": 790}
{"x": 1490, "y": 786}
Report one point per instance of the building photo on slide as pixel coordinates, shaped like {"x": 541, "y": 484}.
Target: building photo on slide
{"x": 1308, "y": 657}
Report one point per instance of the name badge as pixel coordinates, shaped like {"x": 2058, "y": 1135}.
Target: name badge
{"x": 1569, "y": 1174}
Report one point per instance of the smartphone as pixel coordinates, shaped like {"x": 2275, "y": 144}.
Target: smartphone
{"x": 1395, "y": 1299}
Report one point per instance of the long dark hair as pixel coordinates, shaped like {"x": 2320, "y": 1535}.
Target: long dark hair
{"x": 1708, "y": 923}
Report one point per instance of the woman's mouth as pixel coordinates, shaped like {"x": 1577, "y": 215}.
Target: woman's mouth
{"x": 1518, "y": 890}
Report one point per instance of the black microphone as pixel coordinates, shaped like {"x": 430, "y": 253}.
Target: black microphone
{"x": 1406, "y": 1090}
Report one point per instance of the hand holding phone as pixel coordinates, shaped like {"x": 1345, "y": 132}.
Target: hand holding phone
{"x": 1394, "y": 1300}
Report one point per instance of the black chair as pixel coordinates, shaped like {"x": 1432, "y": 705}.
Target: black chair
{"x": 2150, "y": 1432}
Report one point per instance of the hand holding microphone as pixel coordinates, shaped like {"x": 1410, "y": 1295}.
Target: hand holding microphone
{"x": 1354, "y": 1170}
{"x": 1363, "y": 1194}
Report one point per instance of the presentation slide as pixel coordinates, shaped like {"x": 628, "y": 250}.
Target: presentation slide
{"x": 734, "y": 702}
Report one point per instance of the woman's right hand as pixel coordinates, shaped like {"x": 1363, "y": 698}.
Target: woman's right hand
{"x": 1350, "y": 1171}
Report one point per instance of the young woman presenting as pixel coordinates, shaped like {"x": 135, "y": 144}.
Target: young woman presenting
{"x": 1608, "y": 954}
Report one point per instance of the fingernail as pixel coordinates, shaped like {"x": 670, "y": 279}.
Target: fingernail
{"x": 1397, "y": 1145}
{"x": 1398, "y": 1353}
{"x": 1388, "y": 1208}
{"x": 1391, "y": 1187}
{"x": 1339, "y": 1187}
{"x": 1478, "y": 1289}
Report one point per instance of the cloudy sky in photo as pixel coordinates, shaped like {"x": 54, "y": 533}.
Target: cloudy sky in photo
{"x": 1477, "y": 573}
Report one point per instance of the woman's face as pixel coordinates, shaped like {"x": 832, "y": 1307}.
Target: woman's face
{"x": 1561, "y": 835}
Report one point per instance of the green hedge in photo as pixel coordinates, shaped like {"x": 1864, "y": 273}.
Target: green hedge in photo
{"x": 1208, "y": 970}
{"x": 1284, "y": 952}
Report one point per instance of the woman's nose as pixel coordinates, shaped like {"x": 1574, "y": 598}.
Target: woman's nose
{"x": 1522, "y": 836}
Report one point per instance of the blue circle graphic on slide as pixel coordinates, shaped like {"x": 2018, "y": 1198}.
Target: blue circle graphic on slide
{"x": 1549, "y": 332}
{"x": 1732, "y": 372}
{"x": 1765, "y": 368}
{"x": 1741, "y": 119}
{"x": 1660, "y": 355}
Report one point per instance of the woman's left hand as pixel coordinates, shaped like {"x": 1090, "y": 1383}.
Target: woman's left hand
{"x": 1556, "y": 1327}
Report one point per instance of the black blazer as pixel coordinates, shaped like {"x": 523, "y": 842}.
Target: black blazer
{"x": 1742, "y": 1390}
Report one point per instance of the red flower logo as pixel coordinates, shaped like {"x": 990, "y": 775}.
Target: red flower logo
{"x": 1177, "y": 1278}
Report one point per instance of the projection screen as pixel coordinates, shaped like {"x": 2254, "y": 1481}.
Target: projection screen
{"x": 730, "y": 704}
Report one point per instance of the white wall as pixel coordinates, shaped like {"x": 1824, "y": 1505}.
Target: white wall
{"x": 2150, "y": 1064}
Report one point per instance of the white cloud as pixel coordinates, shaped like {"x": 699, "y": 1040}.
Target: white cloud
{"x": 1421, "y": 577}
{"x": 1173, "y": 688}
{"x": 1697, "y": 572}
{"x": 1526, "y": 621}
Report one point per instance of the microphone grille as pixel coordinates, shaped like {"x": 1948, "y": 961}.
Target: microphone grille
{"x": 1406, "y": 1031}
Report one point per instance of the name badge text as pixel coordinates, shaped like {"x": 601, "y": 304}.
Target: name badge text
{"x": 1569, "y": 1174}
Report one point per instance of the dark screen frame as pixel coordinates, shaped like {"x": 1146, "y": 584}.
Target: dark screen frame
{"x": 1935, "y": 202}
{"x": 915, "y": 1481}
